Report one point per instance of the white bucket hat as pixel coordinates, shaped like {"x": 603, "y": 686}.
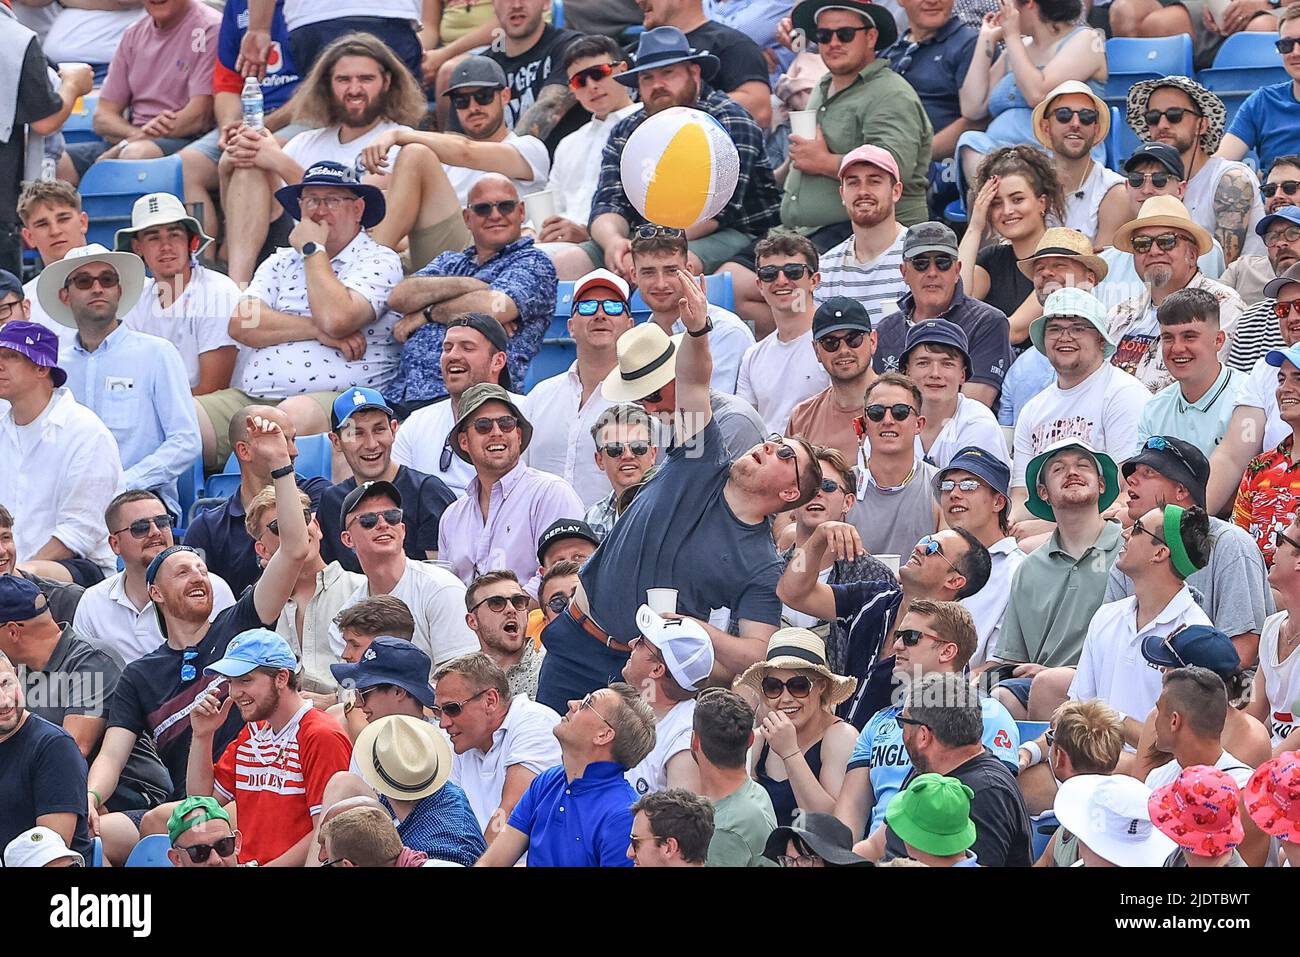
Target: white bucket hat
{"x": 158, "y": 209}
{"x": 1109, "y": 814}
{"x": 403, "y": 757}
{"x": 130, "y": 271}
{"x": 686, "y": 647}
{"x": 37, "y": 847}
{"x": 647, "y": 361}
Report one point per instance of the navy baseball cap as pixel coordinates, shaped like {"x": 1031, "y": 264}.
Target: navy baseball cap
{"x": 11, "y": 283}
{"x": 1161, "y": 153}
{"x": 366, "y": 490}
{"x": 1288, "y": 214}
{"x": 1176, "y": 460}
{"x": 839, "y": 313}
{"x": 355, "y": 400}
{"x": 565, "y": 528}
{"x": 1198, "y": 645}
{"x": 37, "y": 343}
{"x": 981, "y": 463}
{"x": 390, "y": 661}
{"x": 20, "y": 600}
{"x": 938, "y": 332}
{"x": 255, "y": 648}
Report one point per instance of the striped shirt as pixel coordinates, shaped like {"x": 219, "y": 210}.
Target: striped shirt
{"x": 277, "y": 779}
{"x": 877, "y": 284}
{"x": 1257, "y": 332}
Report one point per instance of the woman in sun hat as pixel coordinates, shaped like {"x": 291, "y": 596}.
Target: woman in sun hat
{"x": 1201, "y": 812}
{"x": 1273, "y": 802}
{"x": 801, "y": 748}
{"x": 1110, "y": 817}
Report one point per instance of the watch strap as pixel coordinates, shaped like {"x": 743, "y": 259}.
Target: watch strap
{"x": 282, "y": 471}
{"x": 708, "y": 327}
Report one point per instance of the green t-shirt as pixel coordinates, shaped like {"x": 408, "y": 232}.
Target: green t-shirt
{"x": 742, "y": 823}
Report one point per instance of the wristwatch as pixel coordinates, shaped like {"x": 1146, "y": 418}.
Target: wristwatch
{"x": 311, "y": 249}
{"x": 708, "y": 327}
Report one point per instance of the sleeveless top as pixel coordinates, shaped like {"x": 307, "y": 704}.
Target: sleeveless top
{"x": 1082, "y": 206}
{"x": 1006, "y": 95}
{"x": 1281, "y": 679}
{"x": 781, "y": 792}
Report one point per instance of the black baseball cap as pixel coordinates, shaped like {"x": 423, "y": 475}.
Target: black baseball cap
{"x": 1175, "y": 459}
{"x": 564, "y": 528}
{"x": 368, "y": 490}
{"x": 491, "y": 330}
{"x": 1160, "y": 153}
{"x": 840, "y": 313}
{"x": 390, "y": 661}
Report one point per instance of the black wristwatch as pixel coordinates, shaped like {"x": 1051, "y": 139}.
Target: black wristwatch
{"x": 708, "y": 327}
{"x": 311, "y": 249}
{"x": 282, "y": 471}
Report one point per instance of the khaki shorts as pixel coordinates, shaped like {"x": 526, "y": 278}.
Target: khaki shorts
{"x": 223, "y": 405}
{"x": 449, "y": 235}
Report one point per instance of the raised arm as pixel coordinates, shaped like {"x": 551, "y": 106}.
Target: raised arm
{"x": 694, "y": 361}
{"x": 800, "y": 587}
{"x": 274, "y": 588}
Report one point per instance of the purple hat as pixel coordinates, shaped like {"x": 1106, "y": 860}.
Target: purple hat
{"x": 37, "y": 343}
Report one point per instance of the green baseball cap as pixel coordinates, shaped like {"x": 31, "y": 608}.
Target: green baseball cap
{"x": 1106, "y": 466}
{"x": 208, "y": 808}
{"x": 933, "y": 815}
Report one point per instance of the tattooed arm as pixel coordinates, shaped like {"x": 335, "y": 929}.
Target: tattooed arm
{"x": 1232, "y": 199}
{"x": 552, "y": 103}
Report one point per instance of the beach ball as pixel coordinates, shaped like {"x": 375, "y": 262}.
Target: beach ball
{"x": 679, "y": 167}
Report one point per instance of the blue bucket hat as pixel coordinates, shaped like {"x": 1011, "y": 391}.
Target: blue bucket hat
{"x": 981, "y": 463}
{"x": 664, "y": 46}
{"x": 255, "y": 648}
{"x": 329, "y": 173}
{"x": 939, "y": 332}
{"x": 389, "y": 661}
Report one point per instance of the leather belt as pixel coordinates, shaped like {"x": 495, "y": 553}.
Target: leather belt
{"x": 585, "y": 622}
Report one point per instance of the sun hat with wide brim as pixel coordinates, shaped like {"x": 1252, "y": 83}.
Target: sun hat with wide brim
{"x": 158, "y": 209}
{"x": 473, "y": 398}
{"x": 1200, "y": 811}
{"x": 1139, "y": 95}
{"x": 329, "y": 173}
{"x": 402, "y": 757}
{"x": 805, "y": 17}
{"x": 1164, "y": 211}
{"x": 664, "y": 46}
{"x": 1105, "y": 464}
{"x": 824, "y": 834}
{"x": 1061, "y": 243}
{"x": 130, "y": 272}
{"x": 1109, "y": 814}
{"x": 1066, "y": 89}
{"x": 797, "y": 649}
{"x": 647, "y": 361}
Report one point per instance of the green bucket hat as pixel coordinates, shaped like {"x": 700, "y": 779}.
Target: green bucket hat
{"x": 933, "y": 815}
{"x": 473, "y": 398}
{"x": 1105, "y": 464}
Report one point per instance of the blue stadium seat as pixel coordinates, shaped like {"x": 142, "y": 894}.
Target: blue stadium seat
{"x": 556, "y": 355}
{"x": 110, "y": 188}
{"x": 1121, "y": 142}
{"x": 718, "y": 288}
{"x": 955, "y": 212}
{"x": 315, "y": 460}
{"x": 97, "y": 852}
{"x": 1130, "y": 59}
{"x": 150, "y": 852}
{"x": 1245, "y": 62}
{"x": 557, "y": 14}
{"x": 80, "y": 125}
{"x": 189, "y": 489}
{"x": 1031, "y": 730}
{"x": 1044, "y": 826}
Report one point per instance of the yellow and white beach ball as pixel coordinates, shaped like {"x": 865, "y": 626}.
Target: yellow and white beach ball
{"x": 680, "y": 167}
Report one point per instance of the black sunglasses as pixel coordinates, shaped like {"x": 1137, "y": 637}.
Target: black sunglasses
{"x": 498, "y": 602}
{"x": 901, "y": 412}
{"x": 656, "y": 396}
{"x": 785, "y": 453}
{"x": 558, "y": 602}
{"x": 199, "y": 853}
{"x": 615, "y": 449}
{"x": 831, "y": 343}
{"x": 593, "y": 74}
{"x": 141, "y": 526}
{"x": 1174, "y": 115}
{"x": 1288, "y": 186}
{"x": 482, "y": 97}
{"x": 452, "y": 709}
{"x": 484, "y": 210}
{"x": 1285, "y": 45}
{"x": 912, "y": 721}
{"x": 1166, "y": 242}
{"x": 273, "y": 526}
{"x": 1158, "y": 180}
{"x": 792, "y": 271}
{"x": 84, "y": 281}
{"x": 1064, "y": 114}
{"x": 843, "y": 34}
{"x": 1139, "y": 528}
{"x": 506, "y": 423}
{"x": 368, "y": 520}
{"x": 651, "y": 231}
{"x": 911, "y": 637}
{"x": 1279, "y": 536}
{"x": 800, "y": 686}
{"x": 830, "y": 486}
{"x": 941, "y": 262}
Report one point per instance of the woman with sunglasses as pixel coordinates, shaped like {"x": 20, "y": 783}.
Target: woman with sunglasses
{"x": 800, "y": 747}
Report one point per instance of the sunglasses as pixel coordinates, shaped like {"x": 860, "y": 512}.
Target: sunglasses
{"x": 558, "y": 602}
{"x": 199, "y": 853}
{"x": 966, "y": 485}
{"x": 498, "y": 602}
{"x": 901, "y": 411}
{"x": 84, "y": 281}
{"x": 188, "y": 671}
{"x": 506, "y": 423}
{"x": 651, "y": 231}
{"x": 830, "y": 486}
{"x": 851, "y": 339}
{"x": 649, "y": 648}
{"x": 1168, "y": 645}
{"x": 484, "y": 210}
{"x": 656, "y": 396}
{"x": 792, "y": 271}
{"x": 140, "y": 527}
{"x": 593, "y": 74}
{"x": 941, "y": 262}
{"x": 1288, "y": 186}
{"x": 1139, "y": 529}
{"x": 1275, "y": 237}
{"x": 273, "y": 526}
{"x": 1166, "y": 241}
{"x": 482, "y": 97}
{"x": 452, "y": 709}
{"x": 1283, "y": 537}
{"x": 1283, "y": 309}
{"x": 615, "y": 449}
{"x": 612, "y": 307}
{"x": 800, "y": 686}
{"x": 785, "y": 453}
{"x": 1285, "y": 45}
{"x": 843, "y": 34}
{"x": 911, "y": 637}
{"x": 932, "y": 547}
{"x": 912, "y": 721}
{"x": 368, "y": 520}
{"x": 586, "y": 703}
{"x": 1158, "y": 180}
{"x": 1064, "y": 114}
{"x": 1174, "y": 115}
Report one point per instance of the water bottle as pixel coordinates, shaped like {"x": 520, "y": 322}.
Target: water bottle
{"x": 251, "y": 99}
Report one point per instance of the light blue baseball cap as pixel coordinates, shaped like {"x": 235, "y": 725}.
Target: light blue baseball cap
{"x": 255, "y": 648}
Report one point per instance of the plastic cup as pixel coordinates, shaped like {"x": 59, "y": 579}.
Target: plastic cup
{"x": 539, "y": 207}
{"x": 890, "y": 562}
{"x": 803, "y": 124}
{"x": 662, "y": 600}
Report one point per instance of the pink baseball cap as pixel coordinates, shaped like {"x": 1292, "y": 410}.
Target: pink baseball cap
{"x": 1200, "y": 810}
{"x": 875, "y": 155}
{"x": 1273, "y": 797}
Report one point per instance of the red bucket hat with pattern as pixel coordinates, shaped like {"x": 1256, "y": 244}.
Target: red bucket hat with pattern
{"x": 1200, "y": 810}
{"x": 1273, "y": 797}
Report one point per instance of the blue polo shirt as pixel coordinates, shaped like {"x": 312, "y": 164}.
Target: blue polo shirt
{"x": 936, "y": 68}
{"x": 1269, "y": 123}
{"x": 220, "y": 535}
{"x": 586, "y": 822}
{"x": 424, "y": 499}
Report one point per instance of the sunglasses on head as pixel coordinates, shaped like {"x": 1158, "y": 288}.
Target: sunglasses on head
{"x": 1158, "y": 180}
{"x": 506, "y": 423}
{"x": 843, "y": 34}
{"x": 484, "y": 210}
{"x": 612, "y": 307}
{"x": 1288, "y": 186}
{"x": 368, "y": 520}
{"x": 84, "y": 281}
{"x": 1165, "y": 241}
{"x": 498, "y": 602}
{"x": 966, "y": 485}
{"x": 199, "y": 853}
{"x": 615, "y": 449}
{"x": 941, "y": 262}
{"x": 452, "y": 709}
{"x": 831, "y": 343}
{"x": 901, "y": 411}
{"x": 592, "y": 74}
{"x": 792, "y": 271}
{"x": 140, "y": 527}
{"x": 1174, "y": 115}
{"x": 1064, "y": 114}
{"x": 651, "y": 231}
{"x": 273, "y": 526}
{"x": 1285, "y": 45}
{"x": 800, "y": 686}
{"x": 1158, "y": 443}
{"x": 482, "y": 97}
{"x": 558, "y": 602}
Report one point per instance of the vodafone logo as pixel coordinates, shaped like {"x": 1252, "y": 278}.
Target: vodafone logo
{"x": 274, "y": 59}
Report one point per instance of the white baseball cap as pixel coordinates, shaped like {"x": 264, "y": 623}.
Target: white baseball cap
{"x": 37, "y": 847}
{"x": 685, "y": 646}
{"x": 1109, "y": 814}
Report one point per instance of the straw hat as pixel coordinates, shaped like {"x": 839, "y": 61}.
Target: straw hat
{"x": 403, "y": 757}
{"x": 797, "y": 649}
{"x": 1164, "y": 211}
{"x": 1065, "y": 89}
{"x": 1061, "y": 243}
{"x": 647, "y": 361}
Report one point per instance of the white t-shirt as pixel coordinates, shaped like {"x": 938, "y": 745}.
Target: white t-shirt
{"x": 1103, "y": 410}
{"x": 776, "y": 376}
{"x": 526, "y": 736}
{"x": 315, "y": 146}
{"x": 533, "y": 151}
{"x": 988, "y": 606}
{"x": 1168, "y": 773}
{"x": 972, "y": 424}
{"x": 198, "y": 322}
{"x": 422, "y": 438}
{"x": 672, "y": 737}
{"x": 727, "y": 342}
{"x": 88, "y": 36}
{"x": 299, "y": 13}
{"x": 1260, "y": 391}
{"x": 1281, "y": 680}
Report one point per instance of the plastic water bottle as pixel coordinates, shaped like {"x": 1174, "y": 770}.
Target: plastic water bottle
{"x": 251, "y": 99}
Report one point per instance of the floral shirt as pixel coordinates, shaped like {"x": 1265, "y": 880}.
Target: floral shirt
{"x": 1268, "y": 495}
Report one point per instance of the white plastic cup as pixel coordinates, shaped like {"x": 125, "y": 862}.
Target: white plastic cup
{"x": 539, "y": 207}
{"x": 803, "y": 124}
{"x": 662, "y": 600}
{"x": 890, "y": 562}
{"x": 1217, "y": 9}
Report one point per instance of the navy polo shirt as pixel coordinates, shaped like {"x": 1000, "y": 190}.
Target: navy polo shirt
{"x": 586, "y": 822}
{"x": 227, "y": 550}
{"x": 936, "y": 68}
{"x": 424, "y": 499}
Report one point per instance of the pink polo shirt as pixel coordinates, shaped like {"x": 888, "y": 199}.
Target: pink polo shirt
{"x": 157, "y": 70}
